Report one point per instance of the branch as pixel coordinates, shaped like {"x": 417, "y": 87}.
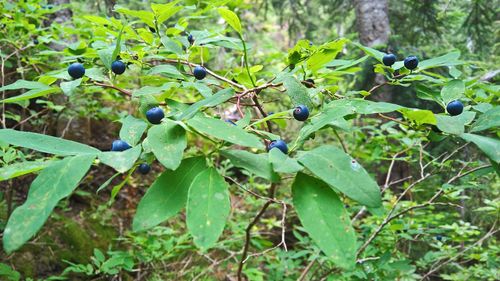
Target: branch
{"x": 386, "y": 82}
{"x": 123, "y": 91}
{"x": 216, "y": 76}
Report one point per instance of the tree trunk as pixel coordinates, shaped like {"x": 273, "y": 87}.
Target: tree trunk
{"x": 372, "y": 21}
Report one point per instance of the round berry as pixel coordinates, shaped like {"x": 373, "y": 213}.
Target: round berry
{"x": 301, "y": 113}
{"x": 411, "y": 62}
{"x": 119, "y": 145}
{"x": 191, "y": 39}
{"x": 144, "y": 168}
{"x": 309, "y": 83}
{"x": 439, "y": 237}
{"x": 231, "y": 122}
{"x": 389, "y": 59}
{"x": 76, "y": 70}
{"x": 118, "y": 67}
{"x": 455, "y": 108}
{"x": 279, "y": 144}
{"x": 35, "y": 41}
{"x": 199, "y": 72}
{"x": 154, "y": 115}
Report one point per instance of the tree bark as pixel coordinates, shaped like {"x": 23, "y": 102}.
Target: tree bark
{"x": 372, "y": 21}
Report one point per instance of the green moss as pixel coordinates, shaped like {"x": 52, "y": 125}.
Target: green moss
{"x": 63, "y": 238}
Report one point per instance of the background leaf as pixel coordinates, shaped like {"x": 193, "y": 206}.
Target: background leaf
{"x": 22, "y": 168}
{"x": 489, "y": 146}
{"x": 487, "y": 120}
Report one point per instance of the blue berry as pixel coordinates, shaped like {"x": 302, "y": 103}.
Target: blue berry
{"x": 190, "y": 39}
{"x": 439, "y": 237}
{"x": 301, "y": 113}
{"x": 455, "y": 108}
{"x": 389, "y": 59}
{"x": 118, "y": 67}
{"x": 76, "y": 70}
{"x": 154, "y": 115}
{"x": 119, "y": 145}
{"x": 144, "y": 168}
{"x": 411, "y": 62}
{"x": 199, "y": 72}
{"x": 279, "y": 144}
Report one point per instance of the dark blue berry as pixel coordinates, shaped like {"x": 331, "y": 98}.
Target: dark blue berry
{"x": 154, "y": 115}
{"x": 309, "y": 83}
{"x": 118, "y": 67}
{"x": 279, "y": 144}
{"x": 231, "y": 122}
{"x": 389, "y": 59}
{"x": 301, "y": 113}
{"x": 190, "y": 39}
{"x": 35, "y": 41}
{"x": 144, "y": 168}
{"x": 119, "y": 145}
{"x": 76, "y": 70}
{"x": 411, "y": 62}
{"x": 439, "y": 237}
{"x": 199, "y": 72}
{"x": 455, "y": 108}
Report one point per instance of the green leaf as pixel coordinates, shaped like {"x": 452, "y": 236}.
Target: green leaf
{"x": 323, "y": 216}
{"x": 343, "y": 173}
{"x": 444, "y": 60}
{"x": 118, "y": 45}
{"x": 150, "y": 90}
{"x": 454, "y": 124}
{"x": 23, "y": 84}
{"x": 208, "y": 208}
{"x": 362, "y": 106}
{"x": 325, "y": 54}
{"x": 225, "y": 131}
{"x": 231, "y": 18}
{"x": 490, "y": 146}
{"x": 201, "y": 87}
{"x": 419, "y": 116}
{"x": 168, "y": 70}
{"x": 167, "y": 142}
{"x": 145, "y": 16}
{"x": 164, "y": 11}
{"x": 31, "y": 94}
{"x": 220, "y": 97}
{"x": 121, "y": 161}
{"x": 489, "y": 119}
{"x": 167, "y": 195}
{"x": 95, "y": 73}
{"x": 281, "y": 163}
{"x": 371, "y": 52}
{"x": 172, "y": 45}
{"x": 132, "y": 129}
{"x": 22, "y": 168}
{"x": 296, "y": 91}
{"x": 256, "y": 164}
{"x": 106, "y": 56}
{"x": 453, "y": 90}
{"x": 53, "y": 184}
{"x": 320, "y": 121}
{"x": 69, "y": 87}
{"x": 44, "y": 143}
